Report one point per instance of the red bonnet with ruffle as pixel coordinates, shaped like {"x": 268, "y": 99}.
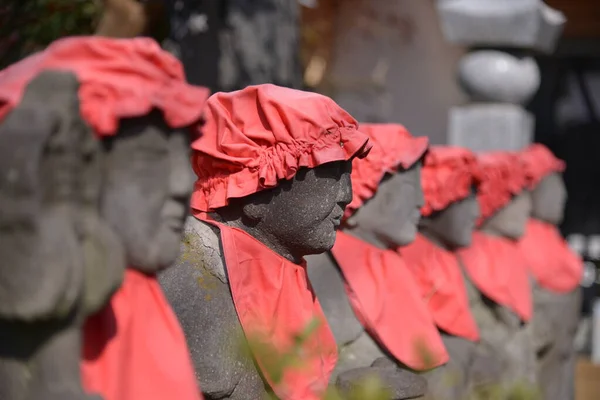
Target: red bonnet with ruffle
{"x": 393, "y": 147}
{"x": 257, "y": 136}
{"x": 539, "y": 162}
{"x": 501, "y": 176}
{"x": 119, "y": 78}
{"x": 447, "y": 176}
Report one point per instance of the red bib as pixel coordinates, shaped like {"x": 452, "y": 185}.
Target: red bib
{"x": 134, "y": 347}
{"x": 440, "y": 279}
{"x": 550, "y": 260}
{"x": 387, "y": 301}
{"x": 274, "y": 299}
{"x": 498, "y": 268}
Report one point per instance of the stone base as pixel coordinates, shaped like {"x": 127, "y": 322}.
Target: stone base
{"x": 487, "y": 127}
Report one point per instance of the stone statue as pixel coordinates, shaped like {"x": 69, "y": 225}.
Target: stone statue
{"x": 273, "y": 182}
{"x": 556, "y": 272}
{"x": 378, "y": 318}
{"x": 99, "y": 182}
{"x": 450, "y": 213}
{"x": 49, "y": 188}
{"x": 498, "y": 284}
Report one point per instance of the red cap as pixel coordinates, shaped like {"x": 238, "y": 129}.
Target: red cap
{"x": 448, "y": 175}
{"x": 501, "y": 177}
{"x": 119, "y": 78}
{"x": 393, "y": 147}
{"x": 257, "y": 136}
{"x": 539, "y": 162}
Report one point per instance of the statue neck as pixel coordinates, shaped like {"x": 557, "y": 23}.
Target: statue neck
{"x": 366, "y": 236}
{"x": 490, "y": 231}
{"x": 434, "y": 238}
{"x": 264, "y": 237}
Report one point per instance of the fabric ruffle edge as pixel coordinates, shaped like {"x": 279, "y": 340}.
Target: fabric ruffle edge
{"x": 539, "y": 162}
{"x": 447, "y": 176}
{"x": 276, "y": 163}
{"x": 119, "y": 78}
{"x": 501, "y": 177}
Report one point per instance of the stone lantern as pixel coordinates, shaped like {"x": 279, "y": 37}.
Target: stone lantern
{"x": 499, "y": 72}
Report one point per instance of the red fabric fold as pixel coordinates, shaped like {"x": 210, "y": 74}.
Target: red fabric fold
{"x": 501, "y": 176}
{"x": 497, "y": 267}
{"x": 388, "y": 303}
{"x": 550, "y": 260}
{"x": 447, "y": 176}
{"x": 539, "y": 162}
{"x": 440, "y": 280}
{"x": 134, "y": 347}
{"x": 274, "y": 301}
{"x": 393, "y": 147}
{"x": 119, "y": 78}
{"x": 257, "y": 136}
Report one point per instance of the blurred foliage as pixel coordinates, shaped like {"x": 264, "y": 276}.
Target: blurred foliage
{"x": 370, "y": 388}
{"x": 27, "y": 26}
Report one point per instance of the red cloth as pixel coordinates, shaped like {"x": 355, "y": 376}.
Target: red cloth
{"x": 388, "y": 303}
{"x": 119, "y": 78}
{"x": 501, "y": 176}
{"x": 440, "y": 279}
{"x": 275, "y": 302}
{"x": 539, "y": 162}
{"x": 551, "y": 262}
{"x": 497, "y": 267}
{"x": 135, "y": 348}
{"x": 393, "y": 147}
{"x": 447, "y": 176}
{"x": 259, "y": 135}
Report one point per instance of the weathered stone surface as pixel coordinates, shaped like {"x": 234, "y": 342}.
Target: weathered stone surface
{"x": 214, "y": 333}
{"x": 507, "y": 23}
{"x": 260, "y": 43}
{"x": 554, "y": 325}
{"x": 497, "y": 76}
{"x": 46, "y": 154}
{"x": 486, "y": 127}
{"x": 328, "y": 284}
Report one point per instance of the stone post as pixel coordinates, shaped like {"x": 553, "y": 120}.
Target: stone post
{"x": 499, "y": 73}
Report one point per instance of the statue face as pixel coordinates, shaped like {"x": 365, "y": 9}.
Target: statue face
{"x": 299, "y": 217}
{"x": 549, "y": 198}
{"x": 391, "y": 216}
{"x": 454, "y": 225}
{"x": 147, "y": 184}
{"x": 510, "y": 220}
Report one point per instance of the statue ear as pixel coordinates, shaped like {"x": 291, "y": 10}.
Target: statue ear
{"x": 254, "y": 211}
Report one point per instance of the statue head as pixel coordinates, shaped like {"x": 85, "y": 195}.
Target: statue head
{"x": 147, "y": 185}
{"x": 147, "y": 178}
{"x": 137, "y": 164}
{"x": 48, "y": 194}
{"x": 387, "y": 187}
{"x": 503, "y": 196}
{"x": 544, "y": 179}
{"x": 449, "y": 179}
{"x": 279, "y": 168}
